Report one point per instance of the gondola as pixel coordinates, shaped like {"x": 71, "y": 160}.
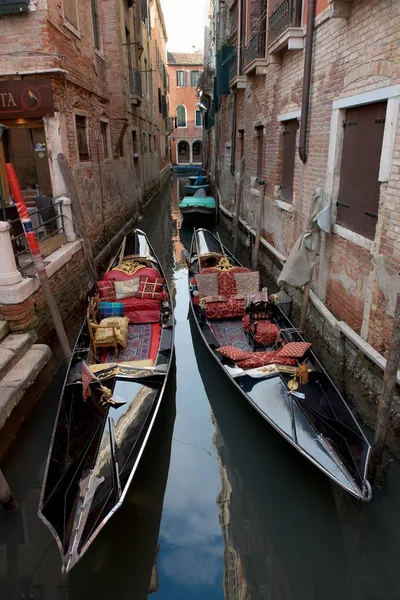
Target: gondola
{"x": 274, "y": 368}
{"x": 109, "y": 402}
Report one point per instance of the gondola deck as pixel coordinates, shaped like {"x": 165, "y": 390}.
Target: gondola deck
{"x": 98, "y": 441}
{"x": 311, "y": 415}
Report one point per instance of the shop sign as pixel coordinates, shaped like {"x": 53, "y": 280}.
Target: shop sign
{"x": 25, "y": 99}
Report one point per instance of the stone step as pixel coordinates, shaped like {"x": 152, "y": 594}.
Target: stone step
{"x": 12, "y": 348}
{"x": 15, "y": 383}
{"x": 3, "y": 329}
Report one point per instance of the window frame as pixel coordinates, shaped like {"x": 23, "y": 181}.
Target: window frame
{"x": 176, "y": 114}
{"x": 106, "y": 122}
{"x": 196, "y": 112}
{"x": 83, "y": 116}
{"x": 259, "y": 135}
{"x": 96, "y": 26}
{"x": 339, "y": 106}
{"x": 288, "y": 123}
{"x": 178, "y": 72}
{"x": 75, "y": 29}
{"x": 197, "y": 79}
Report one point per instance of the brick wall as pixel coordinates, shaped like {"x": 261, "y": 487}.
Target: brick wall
{"x": 351, "y": 56}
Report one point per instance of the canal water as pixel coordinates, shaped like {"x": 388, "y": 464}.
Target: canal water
{"x": 221, "y": 507}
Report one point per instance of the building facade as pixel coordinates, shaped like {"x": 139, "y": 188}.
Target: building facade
{"x": 184, "y": 70}
{"x": 350, "y": 148}
{"x": 83, "y": 110}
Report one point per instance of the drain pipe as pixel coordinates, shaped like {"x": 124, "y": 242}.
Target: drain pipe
{"x": 305, "y": 101}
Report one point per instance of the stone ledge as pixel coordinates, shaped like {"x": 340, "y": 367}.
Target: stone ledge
{"x": 14, "y": 294}
{"x": 22, "y": 375}
{"x": 4, "y": 327}
{"x": 12, "y": 348}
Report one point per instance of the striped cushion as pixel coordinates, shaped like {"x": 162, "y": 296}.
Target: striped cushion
{"x": 111, "y": 309}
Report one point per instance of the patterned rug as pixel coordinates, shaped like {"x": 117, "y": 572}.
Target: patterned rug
{"x": 138, "y": 347}
{"x": 231, "y": 333}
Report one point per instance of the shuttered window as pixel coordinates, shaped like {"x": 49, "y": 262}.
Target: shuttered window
{"x": 260, "y": 151}
{"x": 358, "y": 200}
{"x": 96, "y": 24}
{"x": 289, "y": 153}
{"x": 181, "y": 116}
{"x": 181, "y": 78}
{"x": 194, "y": 78}
{"x": 199, "y": 119}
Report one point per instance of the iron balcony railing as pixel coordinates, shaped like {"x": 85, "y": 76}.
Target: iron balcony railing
{"x": 135, "y": 83}
{"x": 288, "y": 14}
{"x": 48, "y": 225}
{"x": 255, "y": 48}
{"x": 233, "y": 68}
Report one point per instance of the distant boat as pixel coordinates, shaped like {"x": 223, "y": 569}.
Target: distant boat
{"x": 196, "y": 169}
{"x": 200, "y": 183}
{"x": 109, "y": 402}
{"x": 268, "y": 361}
{"x": 199, "y": 206}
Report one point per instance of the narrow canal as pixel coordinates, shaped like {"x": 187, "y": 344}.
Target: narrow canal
{"x": 221, "y": 506}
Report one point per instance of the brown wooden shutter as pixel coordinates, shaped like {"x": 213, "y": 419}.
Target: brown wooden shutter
{"x": 358, "y": 200}
{"x": 289, "y": 152}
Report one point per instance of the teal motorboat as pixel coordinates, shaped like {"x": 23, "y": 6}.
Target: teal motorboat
{"x": 199, "y": 184}
{"x": 198, "y": 206}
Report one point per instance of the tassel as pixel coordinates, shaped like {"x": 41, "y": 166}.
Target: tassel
{"x": 302, "y": 373}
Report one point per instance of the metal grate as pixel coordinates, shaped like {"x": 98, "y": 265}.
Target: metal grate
{"x": 255, "y": 48}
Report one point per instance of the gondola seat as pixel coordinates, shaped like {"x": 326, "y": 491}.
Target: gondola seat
{"x": 138, "y": 310}
{"x": 109, "y": 332}
{"x": 231, "y": 285}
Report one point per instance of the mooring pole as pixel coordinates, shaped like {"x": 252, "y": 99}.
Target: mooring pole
{"x": 37, "y": 258}
{"x": 7, "y": 500}
{"x": 238, "y": 204}
{"x": 306, "y": 299}
{"x": 385, "y": 401}
{"x": 259, "y": 225}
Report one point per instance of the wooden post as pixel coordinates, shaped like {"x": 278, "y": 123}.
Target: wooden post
{"x": 6, "y": 498}
{"x": 306, "y": 299}
{"x": 238, "y": 204}
{"x": 385, "y": 401}
{"x": 259, "y": 226}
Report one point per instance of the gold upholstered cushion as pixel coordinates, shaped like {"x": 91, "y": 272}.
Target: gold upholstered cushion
{"x": 105, "y": 333}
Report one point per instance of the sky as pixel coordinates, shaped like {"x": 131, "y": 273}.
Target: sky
{"x": 185, "y": 24}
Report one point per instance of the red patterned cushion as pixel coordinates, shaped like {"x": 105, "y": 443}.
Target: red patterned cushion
{"x": 106, "y": 290}
{"x": 226, "y": 283}
{"x": 260, "y": 359}
{"x": 232, "y": 352}
{"x": 266, "y": 332}
{"x": 295, "y": 349}
{"x": 225, "y": 310}
{"x": 150, "y": 289}
{"x": 246, "y": 322}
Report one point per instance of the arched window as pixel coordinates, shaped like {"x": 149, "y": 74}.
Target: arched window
{"x": 181, "y": 116}
{"x": 183, "y": 152}
{"x": 197, "y": 148}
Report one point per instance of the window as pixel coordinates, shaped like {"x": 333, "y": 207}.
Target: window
{"x": 160, "y": 108}
{"x": 358, "y": 200}
{"x": 181, "y": 116}
{"x": 150, "y": 143}
{"x": 260, "y": 151}
{"x": 289, "y": 152}
{"x": 145, "y": 77}
{"x": 128, "y": 47}
{"x": 181, "y": 78}
{"x": 194, "y": 78}
{"x": 199, "y": 119}
{"x": 82, "y": 138}
{"x": 96, "y": 24}
{"x": 233, "y": 16}
{"x": 105, "y": 138}
{"x": 71, "y": 12}
{"x": 197, "y": 149}
{"x": 134, "y": 142}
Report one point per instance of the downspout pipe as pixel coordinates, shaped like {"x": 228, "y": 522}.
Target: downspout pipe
{"x": 305, "y": 101}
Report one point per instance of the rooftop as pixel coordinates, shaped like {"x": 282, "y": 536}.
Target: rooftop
{"x": 185, "y": 58}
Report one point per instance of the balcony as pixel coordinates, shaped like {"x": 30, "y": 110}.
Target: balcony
{"x": 236, "y": 81}
{"x": 254, "y": 55}
{"x": 285, "y": 31}
{"x": 135, "y": 86}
